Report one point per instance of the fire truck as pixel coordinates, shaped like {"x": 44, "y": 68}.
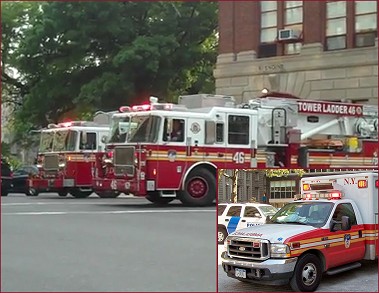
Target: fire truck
{"x": 214, "y": 132}
{"x": 330, "y": 228}
{"x": 66, "y": 156}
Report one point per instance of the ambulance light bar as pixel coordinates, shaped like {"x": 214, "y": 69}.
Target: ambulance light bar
{"x": 322, "y": 194}
{"x": 317, "y": 186}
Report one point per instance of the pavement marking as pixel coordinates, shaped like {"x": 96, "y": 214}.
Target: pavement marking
{"x": 58, "y": 203}
{"x": 105, "y": 212}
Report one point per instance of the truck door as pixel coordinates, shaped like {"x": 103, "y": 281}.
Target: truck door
{"x": 346, "y": 246}
{"x": 232, "y": 218}
{"x": 250, "y": 217}
{"x": 172, "y": 161}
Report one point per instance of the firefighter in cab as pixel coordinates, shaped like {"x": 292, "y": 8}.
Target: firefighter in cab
{"x": 177, "y": 131}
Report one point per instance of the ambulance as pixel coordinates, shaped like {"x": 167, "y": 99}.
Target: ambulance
{"x": 329, "y": 229}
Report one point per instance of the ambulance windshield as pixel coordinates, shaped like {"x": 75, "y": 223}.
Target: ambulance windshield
{"x": 120, "y": 127}
{"x": 58, "y": 140}
{"x": 146, "y": 128}
{"x": 304, "y": 213}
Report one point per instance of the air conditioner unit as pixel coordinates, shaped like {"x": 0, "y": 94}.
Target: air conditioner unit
{"x": 288, "y": 34}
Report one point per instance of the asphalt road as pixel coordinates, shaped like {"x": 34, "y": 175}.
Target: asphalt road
{"x": 363, "y": 279}
{"x": 50, "y": 243}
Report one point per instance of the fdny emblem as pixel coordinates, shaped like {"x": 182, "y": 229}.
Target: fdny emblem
{"x": 347, "y": 239}
{"x": 171, "y": 155}
{"x": 195, "y": 127}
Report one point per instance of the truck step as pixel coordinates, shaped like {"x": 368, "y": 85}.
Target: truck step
{"x": 343, "y": 268}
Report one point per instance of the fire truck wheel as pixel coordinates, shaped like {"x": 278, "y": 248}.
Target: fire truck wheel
{"x": 62, "y": 193}
{"x": 80, "y": 194}
{"x": 221, "y": 235}
{"x": 155, "y": 198}
{"x": 307, "y": 274}
{"x": 199, "y": 189}
{"x": 32, "y": 192}
{"x": 108, "y": 194}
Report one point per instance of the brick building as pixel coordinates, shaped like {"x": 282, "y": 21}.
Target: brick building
{"x": 324, "y": 50}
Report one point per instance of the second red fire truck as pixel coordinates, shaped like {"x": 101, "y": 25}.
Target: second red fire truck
{"x": 171, "y": 151}
{"x": 66, "y": 157}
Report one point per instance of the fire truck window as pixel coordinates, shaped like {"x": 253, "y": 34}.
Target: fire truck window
{"x": 234, "y": 211}
{"x": 174, "y": 130}
{"x": 220, "y": 132}
{"x": 344, "y": 209}
{"x": 71, "y": 140}
{"x": 88, "y": 141}
{"x": 238, "y": 129}
{"x": 251, "y": 212}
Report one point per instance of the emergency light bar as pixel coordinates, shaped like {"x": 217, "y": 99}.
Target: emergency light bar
{"x": 317, "y": 186}
{"x": 322, "y": 194}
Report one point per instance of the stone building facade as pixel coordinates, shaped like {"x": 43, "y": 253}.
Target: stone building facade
{"x": 332, "y": 56}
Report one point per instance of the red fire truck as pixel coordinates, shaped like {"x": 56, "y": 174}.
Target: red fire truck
{"x": 170, "y": 151}
{"x": 66, "y": 158}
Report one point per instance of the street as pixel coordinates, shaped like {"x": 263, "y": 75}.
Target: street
{"x": 363, "y": 279}
{"x": 50, "y": 243}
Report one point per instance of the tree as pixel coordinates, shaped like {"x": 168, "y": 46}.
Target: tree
{"x": 283, "y": 172}
{"x": 67, "y": 62}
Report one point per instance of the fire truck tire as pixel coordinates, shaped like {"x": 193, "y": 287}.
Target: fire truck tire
{"x": 199, "y": 189}
{"x": 155, "y": 198}
{"x": 221, "y": 235}
{"x": 62, "y": 193}
{"x": 108, "y": 194}
{"x": 31, "y": 192}
{"x": 307, "y": 274}
{"x": 80, "y": 194}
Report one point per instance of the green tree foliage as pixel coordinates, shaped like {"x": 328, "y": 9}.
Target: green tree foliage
{"x": 283, "y": 172}
{"x": 86, "y": 56}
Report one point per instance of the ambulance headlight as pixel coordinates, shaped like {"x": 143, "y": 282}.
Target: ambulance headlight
{"x": 279, "y": 250}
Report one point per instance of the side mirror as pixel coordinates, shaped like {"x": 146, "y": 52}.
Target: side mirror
{"x": 346, "y": 224}
{"x": 268, "y": 219}
{"x": 104, "y": 139}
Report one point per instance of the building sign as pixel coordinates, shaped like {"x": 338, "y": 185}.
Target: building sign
{"x": 271, "y": 67}
{"x": 330, "y": 108}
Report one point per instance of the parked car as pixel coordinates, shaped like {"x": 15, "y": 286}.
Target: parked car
{"x": 6, "y": 177}
{"x": 20, "y": 178}
{"x": 235, "y": 216}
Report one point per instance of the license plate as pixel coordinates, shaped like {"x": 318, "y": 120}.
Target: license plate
{"x": 240, "y": 273}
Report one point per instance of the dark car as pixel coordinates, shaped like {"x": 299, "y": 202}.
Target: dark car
{"x": 6, "y": 178}
{"x": 20, "y": 179}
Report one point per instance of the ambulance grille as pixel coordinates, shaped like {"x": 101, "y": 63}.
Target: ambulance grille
{"x": 51, "y": 162}
{"x": 248, "y": 248}
{"x": 124, "y": 160}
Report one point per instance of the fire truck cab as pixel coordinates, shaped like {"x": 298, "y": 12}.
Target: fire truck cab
{"x": 66, "y": 158}
{"x": 330, "y": 228}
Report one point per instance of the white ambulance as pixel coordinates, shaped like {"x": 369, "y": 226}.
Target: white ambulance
{"x": 330, "y": 228}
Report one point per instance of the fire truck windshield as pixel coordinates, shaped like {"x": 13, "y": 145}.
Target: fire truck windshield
{"x": 304, "y": 213}
{"x": 146, "y": 128}
{"x": 58, "y": 140}
{"x": 119, "y": 129}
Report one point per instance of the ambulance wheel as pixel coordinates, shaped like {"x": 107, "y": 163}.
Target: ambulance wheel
{"x": 199, "y": 188}
{"x": 62, "y": 193}
{"x": 80, "y": 194}
{"x": 307, "y": 274}
{"x": 108, "y": 194}
{"x": 155, "y": 198}
{"x": 31, "y": 192}
{"x": 221, "y": 235}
